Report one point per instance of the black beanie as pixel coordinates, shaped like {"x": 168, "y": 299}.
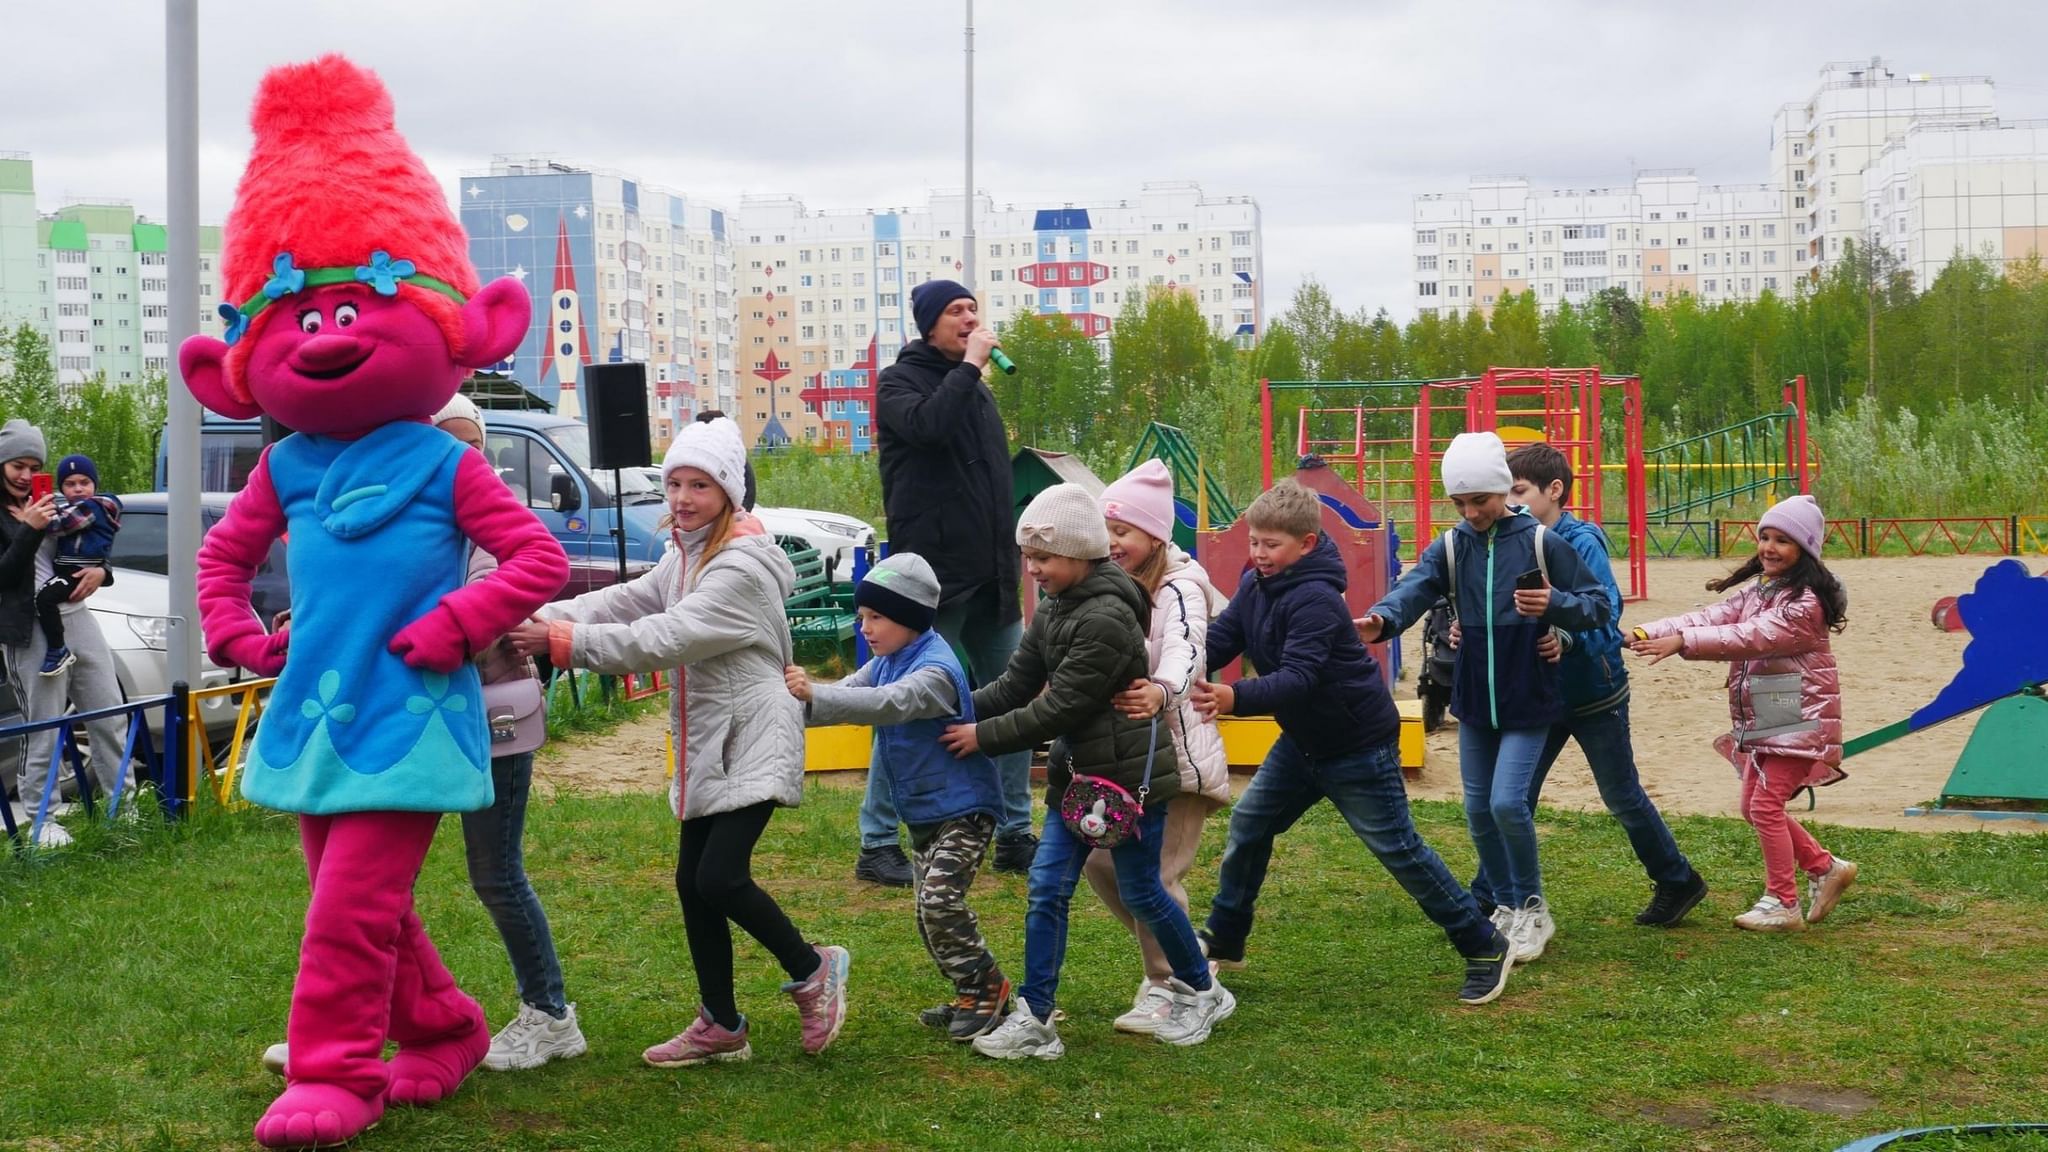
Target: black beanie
{"x": 928, "y": 302}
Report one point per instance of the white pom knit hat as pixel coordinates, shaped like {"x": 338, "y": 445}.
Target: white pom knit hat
{"x": 714, "y": 448}
{"x": 460, "y": 407}
{"x": 1065, "y": 521}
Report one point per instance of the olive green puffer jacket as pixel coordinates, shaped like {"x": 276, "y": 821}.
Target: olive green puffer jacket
{"x": 1083, "y": 647}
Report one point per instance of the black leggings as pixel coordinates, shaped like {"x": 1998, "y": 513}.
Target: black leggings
{"x": 715, "y": 882}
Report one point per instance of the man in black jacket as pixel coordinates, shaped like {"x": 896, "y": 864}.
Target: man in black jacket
{"x": 945, "y": 463}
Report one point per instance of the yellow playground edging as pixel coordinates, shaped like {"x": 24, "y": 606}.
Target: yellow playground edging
{"x": 844, "y": 747}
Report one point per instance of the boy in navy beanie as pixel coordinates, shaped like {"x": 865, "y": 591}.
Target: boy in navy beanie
{"x": 84, "y": 528}
{"x": 912, "y": 688}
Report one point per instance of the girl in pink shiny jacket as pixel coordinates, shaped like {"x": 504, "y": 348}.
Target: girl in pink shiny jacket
{"x": 1784, "y": 698}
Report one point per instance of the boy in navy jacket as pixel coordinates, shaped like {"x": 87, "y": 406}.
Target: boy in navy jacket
{"x": 1504, "y": 693}
{"x": 911, "y": 689}
{"x": 1339, "y": 738}
{"x": 1596, "y": 701}
{"x": 85, "y": 526}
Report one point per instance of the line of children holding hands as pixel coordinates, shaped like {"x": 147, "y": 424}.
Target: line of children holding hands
{"x": 1112, "y": 671}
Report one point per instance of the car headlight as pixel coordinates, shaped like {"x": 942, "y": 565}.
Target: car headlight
{"x": 153, "y": 631}
{"x": 849, "y": 531}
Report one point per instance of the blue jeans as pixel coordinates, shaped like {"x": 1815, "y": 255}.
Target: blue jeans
{"x": 1367, "y": 789}
{"x": 1054, "y": 873}
{"x": 497, "y": 870}
{"x": 1604, "y": 737}
{"x": 985, "y": 647}
{"x": 1497, "y": 765}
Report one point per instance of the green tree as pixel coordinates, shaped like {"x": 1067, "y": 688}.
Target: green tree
{"x": 1057, "y": 393}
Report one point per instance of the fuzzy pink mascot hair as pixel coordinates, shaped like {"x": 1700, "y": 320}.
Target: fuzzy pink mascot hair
{"x": 329, "y": 181}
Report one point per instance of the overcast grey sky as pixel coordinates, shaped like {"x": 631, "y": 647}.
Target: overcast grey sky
{"x": 1333, "y": 113}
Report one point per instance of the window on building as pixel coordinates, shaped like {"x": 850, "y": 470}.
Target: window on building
{"x": 1425, "y": 263}
{"x": 1244, "y": 239}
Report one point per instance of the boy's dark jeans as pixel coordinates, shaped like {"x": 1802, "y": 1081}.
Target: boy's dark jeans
{"x": 1604, "y": 737}
{"x": 50, "y": 601}
{"x": 1367, "y": 789}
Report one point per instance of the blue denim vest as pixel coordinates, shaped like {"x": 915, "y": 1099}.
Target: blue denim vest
{"x": 927, "y": 783}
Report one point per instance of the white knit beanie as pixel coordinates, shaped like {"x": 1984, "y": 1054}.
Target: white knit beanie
{"x": 1476, "y": 463}
{"x": 714, "y": 448}
{"x": 460, "y": 407}
{"x": 1065, "y": 521}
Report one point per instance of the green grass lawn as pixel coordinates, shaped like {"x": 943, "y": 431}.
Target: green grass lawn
{"x": 142, "y": 974}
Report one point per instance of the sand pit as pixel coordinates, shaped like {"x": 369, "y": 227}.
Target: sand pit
{"x": 1892, "y": 660}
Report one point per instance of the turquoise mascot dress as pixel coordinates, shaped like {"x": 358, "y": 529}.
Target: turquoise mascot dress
{"x": 349, "y": 727}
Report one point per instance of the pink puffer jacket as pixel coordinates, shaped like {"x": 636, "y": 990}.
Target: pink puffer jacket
{"x": 1784, "y": 695}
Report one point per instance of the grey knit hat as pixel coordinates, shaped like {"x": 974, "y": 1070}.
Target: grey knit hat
{"x": 902, "y": 587}
{"x": 1064, "y": 520}
{"x": 21, "y": 440}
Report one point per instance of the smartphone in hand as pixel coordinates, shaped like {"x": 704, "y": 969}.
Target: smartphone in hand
{"x": 1531, "y": 581}
{"x": 40, "y": 485}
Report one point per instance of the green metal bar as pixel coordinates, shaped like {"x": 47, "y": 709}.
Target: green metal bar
{"x": 1882, "y": 736}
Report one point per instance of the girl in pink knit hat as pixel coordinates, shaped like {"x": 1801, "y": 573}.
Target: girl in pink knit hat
{"x": 1140, "y": 515}
{"x": 1784, "y": 698}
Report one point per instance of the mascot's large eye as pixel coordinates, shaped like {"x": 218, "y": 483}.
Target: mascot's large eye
{"x": 344, "y": 315}
{"x": 309, "y": 322}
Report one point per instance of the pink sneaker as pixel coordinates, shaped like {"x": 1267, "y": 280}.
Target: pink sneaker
{"x": 821, "y": 1000}
{"x": 703, "y": 1042}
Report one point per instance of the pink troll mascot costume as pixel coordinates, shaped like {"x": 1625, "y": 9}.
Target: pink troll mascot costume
{"x": 353, "y": 315}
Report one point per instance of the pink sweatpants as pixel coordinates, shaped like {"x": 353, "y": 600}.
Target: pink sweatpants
{"x": 366, "y": 967}
{"x": 1785, "y": 842}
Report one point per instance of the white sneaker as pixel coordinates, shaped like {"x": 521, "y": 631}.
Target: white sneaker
{"x": 1772, "y": 915}
{"x": 1021, "y": 1036}
{"x": 1503, "y": 918}
{"x": 52, "y": 835}
{"x": 275, "y": 1057}
{"x": 1149, "y": 1009}
{"x": 533, "y": 1038}
{"x": 1532, "y": 929}
{"x": 1824, "y": 889}
{"x": 1195, "y": 1014}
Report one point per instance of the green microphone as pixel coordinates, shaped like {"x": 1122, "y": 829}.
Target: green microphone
{"x": 1003, "y": 362}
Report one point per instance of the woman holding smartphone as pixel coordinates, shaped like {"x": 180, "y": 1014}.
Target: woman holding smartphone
{"x": 26, "y": 563}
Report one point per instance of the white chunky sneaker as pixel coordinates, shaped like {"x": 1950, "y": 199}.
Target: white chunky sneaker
{"x": 1532, "y": 929}
{"x": 533, "y": 1038}
{"x": 1149, "y": 1009}
{"x": 1772, "y": 915}
{"x": 1194, "y": 1014}
{"x": 1022, "y": 1035}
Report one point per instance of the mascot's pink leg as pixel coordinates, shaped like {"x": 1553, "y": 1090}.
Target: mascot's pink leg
{"x": 440, "y": 1031}
{"x": 362, "y": 867}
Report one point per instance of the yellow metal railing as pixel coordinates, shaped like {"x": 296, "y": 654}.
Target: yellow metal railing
{"x": 2032, "y": 537}
{"x": 199, "y": 748}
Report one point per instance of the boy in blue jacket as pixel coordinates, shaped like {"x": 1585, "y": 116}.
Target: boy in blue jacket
{"x": 1339, "y": 738}
{"x": 1509, "y": 584}
{"x": 1596, "y": 699}
{"x": 911, "y": 689}
{"x": 84, "y": 528}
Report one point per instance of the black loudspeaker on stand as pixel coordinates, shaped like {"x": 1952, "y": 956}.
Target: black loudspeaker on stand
{"x": 615, "y": 407}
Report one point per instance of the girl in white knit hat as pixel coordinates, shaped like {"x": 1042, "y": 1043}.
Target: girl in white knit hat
{"x": 1138, "y": 509}
{"x": 1109, "y": 785}
{"x": 712, "y": 611}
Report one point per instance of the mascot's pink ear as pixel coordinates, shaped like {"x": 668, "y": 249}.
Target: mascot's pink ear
{"x": 203, "y": 362}
{"x": 495, "y": 321}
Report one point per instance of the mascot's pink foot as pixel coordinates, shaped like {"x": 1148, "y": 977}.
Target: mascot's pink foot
{"x": 316, "y": 1116}
{"x": 424, "y": 1073}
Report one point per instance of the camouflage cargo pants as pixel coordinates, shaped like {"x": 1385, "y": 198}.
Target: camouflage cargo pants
{"x": 944, "y": 858}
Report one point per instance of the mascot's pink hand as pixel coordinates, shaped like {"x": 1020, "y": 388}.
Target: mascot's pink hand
{"x": 263, "y": 655}
{"x": 434, "y": 642}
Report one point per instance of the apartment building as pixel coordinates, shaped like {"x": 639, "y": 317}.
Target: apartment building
{"x": 94, "y": 279}
{"x": 1849, "y": 164}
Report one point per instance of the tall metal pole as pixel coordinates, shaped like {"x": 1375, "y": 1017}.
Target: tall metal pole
{"x": 181, "y": 433}
{"x": 967, "y": 245}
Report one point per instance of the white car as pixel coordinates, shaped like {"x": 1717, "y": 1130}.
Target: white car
{"x": 836, "y": 537}
{"x": 134, "y": 615}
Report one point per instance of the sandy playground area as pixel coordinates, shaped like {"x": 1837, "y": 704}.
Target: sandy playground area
{"x": 1892, "y": 660}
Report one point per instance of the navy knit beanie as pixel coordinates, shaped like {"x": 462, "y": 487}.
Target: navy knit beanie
{"x": 928, "y": 302}
{"x": 78, "y": 466}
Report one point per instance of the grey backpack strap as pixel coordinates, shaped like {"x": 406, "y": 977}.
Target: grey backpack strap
{"x": 1542, "y": 560}
{"x": 1451, "y": 569}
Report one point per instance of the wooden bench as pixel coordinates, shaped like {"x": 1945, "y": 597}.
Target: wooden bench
{"x": 821, "y": 617}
